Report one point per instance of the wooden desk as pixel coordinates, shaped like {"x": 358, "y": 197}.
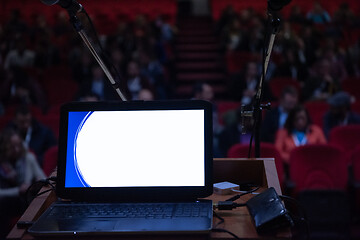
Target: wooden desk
{"x": 261, "y": 172}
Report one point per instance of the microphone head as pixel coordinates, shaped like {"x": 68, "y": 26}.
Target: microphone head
{"x": 276, "y": 5}
{"x": 50, "y": 2}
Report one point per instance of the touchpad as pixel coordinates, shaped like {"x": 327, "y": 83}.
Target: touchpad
{"x": 86, "y": 225}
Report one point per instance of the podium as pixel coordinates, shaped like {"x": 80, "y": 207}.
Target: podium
{"x": 258, "y": 171}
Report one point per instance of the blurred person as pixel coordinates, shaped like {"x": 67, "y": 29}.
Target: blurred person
{"x": 89, "y": 97}
{"x": 322, "y": 84}
{"x": 98, "y": 84}
{"x": 19, "y": 88}
{"x": 146, "y": 95}
{"x": 81, "y": 70}
{"x": 36, "y": 136}
{"x": 203, "y": 91}
{"x": 291, "y": 66}
{"x": 244, "y": 86}
{"x": 238, "y": 131}
{"x": 340, "y": 113}
{"x": 318, "y": 14}
{"x": 16, "y": 25}
{"x": 344, "y": 14}
{"x": 151, "y": 68}
{"x": 276, "y": 117}
{"x": 296, "y": 15}
{"x": 297, "y": 131}
{"x": 18, "y": 170}
{"x": 233, "y": 36}
{"x": 135, "y": 81}
{"x": 20, "y": 56}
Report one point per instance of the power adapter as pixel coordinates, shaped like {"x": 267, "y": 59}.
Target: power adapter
{"x": 224, "y": 188}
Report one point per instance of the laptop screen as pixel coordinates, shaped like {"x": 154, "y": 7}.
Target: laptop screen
{"x": 135, "y": 148}
{"x": 153, "y": 147}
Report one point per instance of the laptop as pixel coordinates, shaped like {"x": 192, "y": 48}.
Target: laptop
{"x": 144, "y": 167}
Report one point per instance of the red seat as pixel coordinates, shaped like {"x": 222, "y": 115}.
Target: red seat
{"x": 318, "y": 167}
{"x": 352, "y": 86}
{"x": 346, "y": 137}
{"x": 317, "y": 110}
{"x": 225, "y": 106}
{"x": 355, "y": 177}
{"x": 267, "y": 150}
{"x": 50, "y": 160}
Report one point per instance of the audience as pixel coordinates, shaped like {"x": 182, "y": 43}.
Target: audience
{"x": 238, "y": 132}
{"x": 135, "y": 81}
{"x": 36, "y": 137}
{"x": 18, "y": 170}
{"x": 298, "y": 130}
{"x": 317, "y": 14}
{"x": 203, "y": 91}
{"x": 98, "y": 84}
{"x": 276, "y": 117}
{"x": 340, "y": 113}
{"x": 243, "y": 86}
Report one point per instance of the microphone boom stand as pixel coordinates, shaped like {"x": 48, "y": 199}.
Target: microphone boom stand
{"x": 258, "y": 107}
{"x": 79, "y": 28}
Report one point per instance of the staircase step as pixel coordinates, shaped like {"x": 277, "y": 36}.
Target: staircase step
{"x": 196, "y": 39}
{"x": 198, "y": 47}
{"x": 203, "y": 77}
{"x": 196, "y": 32}
{"x": 205, "y": 56}
{"x": 191, "y": 66}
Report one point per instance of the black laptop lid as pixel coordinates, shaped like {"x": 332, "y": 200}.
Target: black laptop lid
{"x": 135, "y": 151}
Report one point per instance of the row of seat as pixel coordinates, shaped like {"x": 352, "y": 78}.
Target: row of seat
{"x": 260, "y": 6}
{"x": 108, "y": 9}
{"x": 316, "y": 166}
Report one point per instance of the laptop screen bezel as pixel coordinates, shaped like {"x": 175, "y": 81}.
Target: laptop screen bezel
{"x": 136, "y": 194}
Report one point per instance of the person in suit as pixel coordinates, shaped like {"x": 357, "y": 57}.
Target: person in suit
{"x": 298, "y": 130}
{"x": 340, "y": 113}
{"x": 36, "y": 136}
{"x": 237, "y": 132}
{"x": 276, "y": 117}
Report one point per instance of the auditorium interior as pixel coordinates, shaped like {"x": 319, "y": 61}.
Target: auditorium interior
{"x": 212, "y": 50}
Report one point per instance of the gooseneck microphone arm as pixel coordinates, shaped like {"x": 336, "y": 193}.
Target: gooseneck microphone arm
{"x": 258, "y": 107}
{"x": 273, "y": 7}
{"x": 73, "y": 7}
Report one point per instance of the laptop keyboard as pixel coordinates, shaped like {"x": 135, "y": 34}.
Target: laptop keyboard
{"x": 137, "y": 210}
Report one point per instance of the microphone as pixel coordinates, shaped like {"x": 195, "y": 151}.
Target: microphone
{"x": 276, "y": 5}
{"x": 71, "y": 5}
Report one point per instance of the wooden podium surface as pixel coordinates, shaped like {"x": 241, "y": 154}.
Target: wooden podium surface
{"x": 261, "y": 172}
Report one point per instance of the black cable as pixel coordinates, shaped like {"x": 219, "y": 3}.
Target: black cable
{"x": 222, "y": 220}
{"x": 242, "y": 194}
{"x": 33, "y": 190}
{"x": 301, "y": 211}
{"x": 225, "y": 231}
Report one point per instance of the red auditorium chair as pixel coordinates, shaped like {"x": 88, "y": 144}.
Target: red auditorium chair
{"x": 318, "y": 167}
{"x": 352, "y": 86}
{"x": 354, "y": 179}
{"x": 267, "y": 150}
{"x": 319, "y": 174}
{"x": 346, "y": 137}
{"x": 225, "y": 106}
{"x": 317, "y": 110}
{"x": 50, "y": 160}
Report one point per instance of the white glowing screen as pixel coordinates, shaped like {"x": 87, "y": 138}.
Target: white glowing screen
{"x": 142, "y": 148}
